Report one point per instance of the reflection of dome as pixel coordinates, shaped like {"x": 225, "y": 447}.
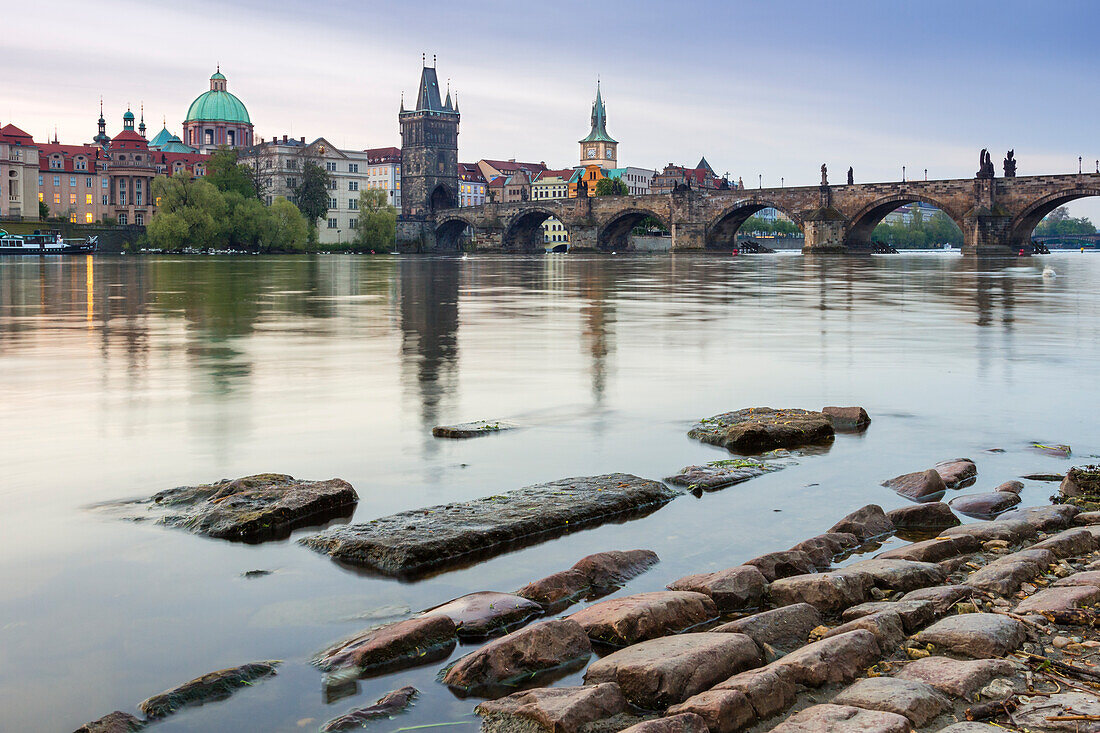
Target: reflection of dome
{"x": 217, "y": 105}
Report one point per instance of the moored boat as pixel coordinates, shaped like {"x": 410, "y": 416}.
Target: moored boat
{"x": 45, "y": 243}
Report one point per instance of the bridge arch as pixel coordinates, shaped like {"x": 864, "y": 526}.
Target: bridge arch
{"x": 1024, "y": 223}
{"x": 722, "y": 229}
{"x": 524, "y": 232}
{"x": 614, "y": 232}
{"x": 866, "y": 219}
{"x": 450, "y": 233}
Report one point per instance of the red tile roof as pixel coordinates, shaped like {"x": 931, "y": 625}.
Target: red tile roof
{"x": 383, "y": 155}
{"x": 511, "y": 165}
{"x": 68, "y": 153}
{"x": 470, "y": 172}
{"x": 12, "y": 135}
{"x": 128, "y": 140}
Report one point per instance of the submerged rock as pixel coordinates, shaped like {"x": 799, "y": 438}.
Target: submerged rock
{"x": 486, "y": 613}
{"x": 387, "y": 706}
{"x": 393, "y": 646}
{"x": 552, "y": 709}
{"x": 929, "y": 517}
{"x": 212, "y": 686}
{"x": 413, "y": 542}
{"x": 472, "y": 429}
{"x": 116, "y": 722}
{"x": 848, "y": 418}
{"x": 919, "y": 486}
{"x": 759, "y": 429}
{"x": 1057, "y": 450}
{"x": 520, "y": 656}
{"x": 630, "y": 619}
{"x": 985, "y": 506}
{"x": 253, "y": 508}
{"x": 720, "y": 474}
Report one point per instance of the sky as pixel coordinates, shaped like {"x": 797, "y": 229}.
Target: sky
{"x": 766, "y": 90}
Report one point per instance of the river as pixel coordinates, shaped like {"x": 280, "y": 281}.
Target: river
{"x": 121, "y": 376}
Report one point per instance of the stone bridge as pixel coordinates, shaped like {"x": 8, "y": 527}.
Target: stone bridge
{"x": 996, "y": 215}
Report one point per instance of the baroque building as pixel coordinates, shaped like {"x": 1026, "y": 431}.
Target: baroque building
{"x": 429, "y": 150}
{"x": 216, "y": 118}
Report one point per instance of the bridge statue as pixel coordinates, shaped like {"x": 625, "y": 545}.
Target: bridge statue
{"x": 824, "y": 175}
{"x": 985, "y": 165}
{"x": 582, "y": 188}
{"x": 851, "y": 176}
{"x": 1010, "y": 165}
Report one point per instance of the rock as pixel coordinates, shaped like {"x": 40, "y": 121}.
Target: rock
{"x": 985, "y": 506}
{"x": 1057, "y": 450}
{"x": 839, "y": 658}
{"x": 1012, "y": 487}
{"x": 733, "y": 589}
{"x": 847, "y": 418}
{"x": 1060, "y": 642}
{"x": 942, "y": 597}
{"x": 827, "y": 592}
{"x": 630, "y": 619}
{"x": 1044, "y": 476}
{"x": 253, "y": 508}
{"x": 116, "y": 722}
{"x": 1087, "y": 518}
{"x": 960, "y": 678}
{"x": 919, "y": 486}
{"x": 1089, "y": 577}
{"x": 903, "y": 575}
{"x": 759, "y": 429}
{"x": 957, "y": 472}
{"x": 520, "y": 655}
{"x": 785, "y": 627}
{"x": 552, "y": 709}
{"x": 866, "y": 523}
{"x": 661, "y": 672}
{"x": 1036, "y": 714}
{"x": 720, "y": 474}
{"x": 913, "y": 614}
{"x": 556, "y": 590}
{"x": 930, "y": 516}
{"x": 777, "y": 565}
{"x": 1045, "y": 518}
{"x": 613, "y": 568}
{"x": 913, "y": 699}
{"x": 975, "y": 635}
{"x": 843, "y": 719}
{"x": 934, "y": 550}
{"x": 885, "y": 625}
{"x": 393, "y": 646}
{"x": 768, "y": 691}
{"x": 1069, "y": 543}
{"x": 998, "y": 689}
{"x": 1081, "y": 481}
{"x": 411, "y": 543}
{"x": 968, "y": 727}
{"x": 1059, "y": 599}
{"x": 387, "y": 706}
{"x": 486, "y": 613}
{"x": 472, "y": 429}
{"x": 824, "y": 548}
{"x": 679, "y": 723}
{"x": 723, "y": 711}
{"x": 1009, "y": 530}
{"x": 212, "y": 686}
{"x": 1005, "y": 574}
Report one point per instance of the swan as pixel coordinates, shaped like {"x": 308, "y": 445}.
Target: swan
{"x": 1048, "y": 271}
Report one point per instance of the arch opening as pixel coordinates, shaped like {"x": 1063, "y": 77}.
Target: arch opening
{"x": 441, "y": 198}
{"x": 754, "y": 225}
{"x": 526, "y": 233}
{"x": 453, "y": 235}
{"x": 618, "y": 233}
{"x": 905, "y": 222}
{"x": 1061, "y": 230}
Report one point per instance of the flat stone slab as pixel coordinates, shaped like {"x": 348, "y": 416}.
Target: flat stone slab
{"x": 1005, "y": 574}
{"x": 827, "y": 592}
{"x": 391, "y": 647}
{"x": 1009, "y": 530}
{"x": 985, "y": 506}
{"x": 1089, "y": 577}
{"x": 866, "y": 523}
{"x": 927, "y": 517}
{"x": 388, "y": 705}
{"x": 732, "y": 589}
{"x": 552, "y": 709}
{"x": 486, "y": 613}
{"x": 212, "y": 686}
{"x": 116, "y": 722}
{"x": 959, "y": 678}
{"x": 662, "y": 672}
{"x": 520, "y": 655}
{"x": 934, "y": 550}
{"x": 679, "y": 723}
{"x": 975, "y": 635}
{"x": 759, "y": 429}
{"x": 723, "y": 711}
{"x": 897, "y": 574}
{"x": 941, "y": 597}
{"x": 957, "y": 472}
{"x": 631, "y": 619}
{"x": 913, "y": 614}
{"x": 775, "y": 565}
{"x": 786, "y": 627}
{"x": 720, "y": 474}
{"x": 839, "y": 658}
{"x": 843, "y": 719}
{"x": 1069, "y": 543}
{"x": 885, "y": 625}
{"x": 1059, "y": 599}
{"x": 472, "y": 429}
{"x": 608, "y": 570}
{"x": 917, "y": 701}
{"x": 251, "y": 509}
{"x": 1035, "y": 714}
{"x": 1045, "y": 518}
{"x": 414, "y": 542}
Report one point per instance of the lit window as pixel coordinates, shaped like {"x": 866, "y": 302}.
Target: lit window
{"x": 57, "y": 198}
{"x": 72, "y": 218}
{"x": 88, "y": 199}
{"x": 157, "y": 202}
{"x": 41, "y": 196}
{"x": 88, "y": 218}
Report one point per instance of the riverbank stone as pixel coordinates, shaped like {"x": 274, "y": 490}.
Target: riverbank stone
{"x": 392, "y": 646}
{"x": 657, "y": 673}
{"x": 116, "y": 722}
{"x": 885, "y": 625}
{"x": 211, "y": 686}
{"x": 897, "y": 574}
{"x": 1012, "y": 487}
{"x": 986, "y": 505}
{"x": 867, "y": 523}
{"x": 1088, "y": 577}
{"x": 252, "y": 508}
{"x": 1035, "y": 715}
{"x": 1045, "y": 518}
{"x": 828, "y": 718}
{"x": 785, "y": 627}
{"x": 723, "y": 711}
{"x": 768, "y": 691}
{"x": 928, "y": 517}
{"x": 1082, "y": 485}
{"x": 942, "y": 597}
{"x": 631, "y": 619}
{"x": 837, "y": 659}
{"x": 827, "y": 592}
{"x": 848, "y": 418}
{"x": 920, "y": 486}
{"x": 732, "y": 589}
{"x": 720, "y": 474}
{"x": 759, "y": 429}
{"x": 679, "y": 723}
{"x": 775, "y": 565}
{"x": 613, "y": 568}
{"x": 917, "y": 701}
{"x": 387, "y": 706}
{"x": 1063, "y": 598}
{"x": 1011, "y": 531}
{"x": 520, "y": 656}
{"x": 975, "y": 635}
{"x": 913, "y": 614}
{"x": 1069, "y": 543}
{"x": 472, "y": 429}
{"x": 957, "y": 473}
{"x": 486, "y": 613}
{"x": 556, "y": 590}
{"x": 824, "y": 548}
{"x": 934, "y": 550}
{"x": 411, "y": 543}
{"x": 551, "y": 709}
{"x": 957, "y": 677}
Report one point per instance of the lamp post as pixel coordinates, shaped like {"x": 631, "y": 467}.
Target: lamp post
{"x": 903, "y": 174}
{"x": 760, "y": 181}
{"x": 1078, "y": 164}
{"x": 781, "y": 182}
{"x": 338, "y": 241}
{"x": 926, "y": 174}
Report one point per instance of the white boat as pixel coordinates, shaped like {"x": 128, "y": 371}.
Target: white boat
{"x": 45, "y": 243}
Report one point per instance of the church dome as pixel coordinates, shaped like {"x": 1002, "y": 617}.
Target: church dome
{"x": 217, "y": 105}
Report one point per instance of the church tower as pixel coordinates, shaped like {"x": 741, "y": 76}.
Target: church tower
{"x": 429, "y": 150}
{"x": 102, "y": 139}
{"x": 599, "y": 148}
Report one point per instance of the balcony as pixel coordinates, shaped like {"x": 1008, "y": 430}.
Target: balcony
{"x": 13, "y": 197}
{"x": 15, "y": 155}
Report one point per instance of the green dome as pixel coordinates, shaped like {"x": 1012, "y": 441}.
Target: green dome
{"x": 217, "y": 106}
{"x": 217, "y": 75}
{"x": 128, "y": 116}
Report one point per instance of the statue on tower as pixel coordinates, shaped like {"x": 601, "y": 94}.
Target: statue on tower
{"x": 1010, "y": 165}
{"x": 824, "y": 175}
{"x": 851, "y": 176}
{"x": 985, "y": 165}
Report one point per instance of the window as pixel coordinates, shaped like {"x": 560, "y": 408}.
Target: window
{"x": 332, "y": 203}
{"x": 292, "y": 164}
{"x": 104, "y": 202}
{"x": 156, "y": 202}
{"x": 137, "y": 157}
{"x": 89, "y": 182}
{"x": 353, "y": 204}
{"x": 72, "y": 218}
{"x": 208, "y": 136}
{"x": 330, "y": 166}
{"x": 72, "y": 181}
{"x": 57, "y": 198}
{"x": 332, "y": 184}
{"x": 269, "y": 201}
{"x": 41, "y": 196}
{"x": 353, "y": 167}
{"x": 106, "y": 184}
{"x": 292, "y": 182}
{"x": 88, "y": 199}
{"x": 353, "y": 223}
{"x": 122, "y": 198}
{"x": 81, "y": 163}
{"x": 137, "y": 198}
{"x": 57, "y": 180}
{"x": 139, "y": 219}
{"x": 122, "y": 219}
{"x": 88, "y": 218}
{"x": 353, "y": 185}
{"x": 40, "y": 181}
{"x": 56, "y": 163}
{"x": 331, "y": 223}
{"x": 231, "y": 137}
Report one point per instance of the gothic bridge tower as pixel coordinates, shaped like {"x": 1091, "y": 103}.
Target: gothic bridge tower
{"x": 429, "y": 150}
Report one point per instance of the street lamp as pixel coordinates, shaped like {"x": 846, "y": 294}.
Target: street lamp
{"x": 1078, "y": 164}
{"x": 781, "y": 184}
{"x": 760, "y": 181}
{"x": 926, "y": 174}
{"x": 903, "y": 174}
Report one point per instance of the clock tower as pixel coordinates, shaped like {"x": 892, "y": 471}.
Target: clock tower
{"x": 599, "y": 148}
{"x": 429, "y": 150}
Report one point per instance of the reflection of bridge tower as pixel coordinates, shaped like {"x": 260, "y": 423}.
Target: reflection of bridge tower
{"x": 429, "y": 150}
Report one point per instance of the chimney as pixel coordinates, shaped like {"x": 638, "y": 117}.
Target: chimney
{"x": 284, "y": 138}
{"x": 303, "y": 139}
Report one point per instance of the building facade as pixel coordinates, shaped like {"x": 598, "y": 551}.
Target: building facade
{"x": 637, "y": 180}
{"x": 429, "y": 150}
{"x": 471, "y": 188}
{"x": 216, "y": 118}
{"x": 384, "y": 172}
{"x": 18, "y": 174}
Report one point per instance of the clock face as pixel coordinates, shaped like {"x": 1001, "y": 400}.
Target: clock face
{"x": 591, "y": 152}
{"x": 610, "y": 154}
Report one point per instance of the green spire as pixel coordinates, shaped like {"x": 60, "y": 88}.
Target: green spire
{"x": 599, "y": 122}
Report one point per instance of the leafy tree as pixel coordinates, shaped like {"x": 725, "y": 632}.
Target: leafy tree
{"x": 227, "y": 174}
{"x": 43, "y": 211}
{"x": 611, "y": 187}
{"x": 290, "y": 228}
{"x": 377, "y": 222}
{"x": 775, "y": 227}
{"x": 936, "y": 231}
{"x": 1060, "y": 223}
{"x": 312, "y": 193}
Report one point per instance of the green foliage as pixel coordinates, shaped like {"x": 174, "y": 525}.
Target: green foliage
{"x": 774, "y": 227}
{"x": 195, "y": 213}
{"x": 647, "y": 224}
{"x": 1059, "y": 223}
{"x": 377, "y": 222}
{"x": 227, "y": 175}
{"x": 312, "y": 193}
{"x": 936, "y": 231}
{"x": 43, "y": 211}
{"x": 611, "y": 187}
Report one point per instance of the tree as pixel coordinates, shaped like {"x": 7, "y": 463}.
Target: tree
{"x": 936, "y": 231}
{"x": 312, "y": 194}
{"x": 43, "y": 211}
{"x": 290, "y": 228}
{"x": 377, "y": 222}
{"x": 1060, "y": 223}
{"x": 249, "y": 161}
{"x": 611, "y": 187}
{"x": 224, "y": 172}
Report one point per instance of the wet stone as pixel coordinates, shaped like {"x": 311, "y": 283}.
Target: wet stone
{"x": 733, "y": 589}
{"x": 917, "y": 701}
{"x": 413, "y": 542}
{"x": 975, "y": 635}
{"x": 662, "y": 672}
{"x": 630, "y": 619}
{"x": 557, "y": 589}
{"x": 723, "y": 711}
{"x": 824, "y": 548}
{"x": 679, "y": 723}
{"x": 472, "y": 429}
{"x": 775, "y": 565}
{"x": 927, "y": 517}
{"x": 1012, "y": 487}
{"x": 785, "y": 627}
{"x": 885, "y": 625}
{"x": 836, "y": 659}
{"x": 393, "y": 646}
{"x": 934, "y": 550}
{"x": 759, "y": 429}
{"x": 960, "y": 678}
{"x": 985, "y": 506}
{"x": 1070, "y": 543}
{"x": 957, "y": 472}
{"x": 866, "y": 523}
{"x": 913, "y": 614}
{"x": 921, "y": 486}
{"x": 1009, "y": 530}
{"x": 1045, "y": 518}
{"x": 486, "y": 613}
{"x": 768, "y": 691}
{"x": 941, "y": 597}
{"x": 848, "y": 418}
{"x": 388, "y": 705}
{"x": 828, "y": 718}
{"x": 720, "y": 474}
{"x": 1059, "y": 599}
{"x": 827, "y": 592}
{"x": 551, "y": 709}
{"x": 212, "y": 686}
{"x": 116, "y": 722}
{"x": 613, "y": 568}
{"x": 520, "y": 655}
{"x": 903, "y": 575}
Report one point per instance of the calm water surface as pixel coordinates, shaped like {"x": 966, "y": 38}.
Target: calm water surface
{"x": 123, "y": 376}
